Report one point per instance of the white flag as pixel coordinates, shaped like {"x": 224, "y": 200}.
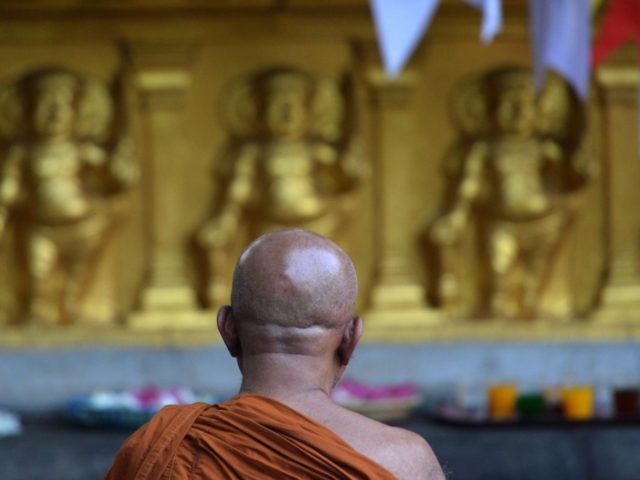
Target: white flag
{"x": 400, "y": 25}
{"x": 491, "y": 17}
{"x": 561, "y": 32}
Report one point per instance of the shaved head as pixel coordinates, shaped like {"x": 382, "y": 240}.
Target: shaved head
{"x": 292, "y": 286}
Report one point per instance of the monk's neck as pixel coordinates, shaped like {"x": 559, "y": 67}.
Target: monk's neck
{"x": 282, "y": 376}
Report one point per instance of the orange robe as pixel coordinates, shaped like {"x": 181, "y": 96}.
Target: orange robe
{"x": 248, "y": 437}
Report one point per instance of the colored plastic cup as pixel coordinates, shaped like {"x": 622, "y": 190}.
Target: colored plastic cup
{"x": 502, "y": 400}
{"x": 530, "y": 405}
{"x": 577, "y": 402}
{"x": 626, "y": 401}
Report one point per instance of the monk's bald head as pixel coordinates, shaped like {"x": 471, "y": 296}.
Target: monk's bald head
{"x": 294, "y": 279}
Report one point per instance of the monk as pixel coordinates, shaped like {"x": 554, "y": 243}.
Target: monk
{"x": 291, "y": 326}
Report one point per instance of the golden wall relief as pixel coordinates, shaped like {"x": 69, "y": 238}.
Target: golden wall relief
{"x": 65, "y": 158}
{"x": 513, "y": 178}
{"x": 519, "y": 226}
{"x": 292, "y": 159}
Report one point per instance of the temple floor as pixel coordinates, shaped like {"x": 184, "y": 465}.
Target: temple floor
{"x": 57, "y": 451}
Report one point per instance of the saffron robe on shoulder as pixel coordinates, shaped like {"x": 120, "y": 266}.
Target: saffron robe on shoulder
{"x": 248, "y": 437}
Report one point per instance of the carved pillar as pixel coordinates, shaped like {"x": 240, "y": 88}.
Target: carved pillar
{"x": 162, "y": 80}
{"x": 397, "y": 297}
{"x": 396, "y": 285}
{"x": 621, "y": 295}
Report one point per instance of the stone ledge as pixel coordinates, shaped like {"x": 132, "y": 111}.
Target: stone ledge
{"x": 400, "y": 328}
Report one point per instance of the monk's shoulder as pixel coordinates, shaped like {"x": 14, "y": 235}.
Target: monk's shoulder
{"x": 404, "y": 453}
{"x": 408, "y": 455}
{"x": 134, "y": 450}
{"x": 130, "y": 454}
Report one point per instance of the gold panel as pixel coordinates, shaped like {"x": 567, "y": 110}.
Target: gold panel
{"x": 67, "y": 160}
{"x": 514, "y": 179}
{"x": 293, "y": 158}
{"x": 199, "y": 78}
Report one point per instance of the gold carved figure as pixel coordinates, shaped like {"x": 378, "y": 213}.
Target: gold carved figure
{"x": 292, "y": 159}
{"x": 510, "y": 198}
{"x": 64, "y": 159}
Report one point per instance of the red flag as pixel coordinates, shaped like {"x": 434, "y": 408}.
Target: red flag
{"x": 621, "y": 24}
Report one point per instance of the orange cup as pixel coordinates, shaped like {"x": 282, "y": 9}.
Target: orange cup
{"x": 577, "y": 402}
{"x": 502, "y": 400}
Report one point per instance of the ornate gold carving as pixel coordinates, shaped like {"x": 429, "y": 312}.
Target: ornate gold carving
{"x": 64, "y": 158}
{"x": 510, "y": 200}
{"x": 176, "y": 65}
{"x": 620, "y": 297}
{"x": 292, "y": 159}
{"x": 397, "y": 296}
{"x": 163, "y": 78}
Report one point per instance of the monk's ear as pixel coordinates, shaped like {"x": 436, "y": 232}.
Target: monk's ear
{"x": 228, "y": 331}
{"x": 350, "y": 338}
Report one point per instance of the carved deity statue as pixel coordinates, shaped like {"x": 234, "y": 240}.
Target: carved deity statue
{"x": 64, "y": 159}
{"x": 292, "y": 160}
{"x": 512, "y": 178}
